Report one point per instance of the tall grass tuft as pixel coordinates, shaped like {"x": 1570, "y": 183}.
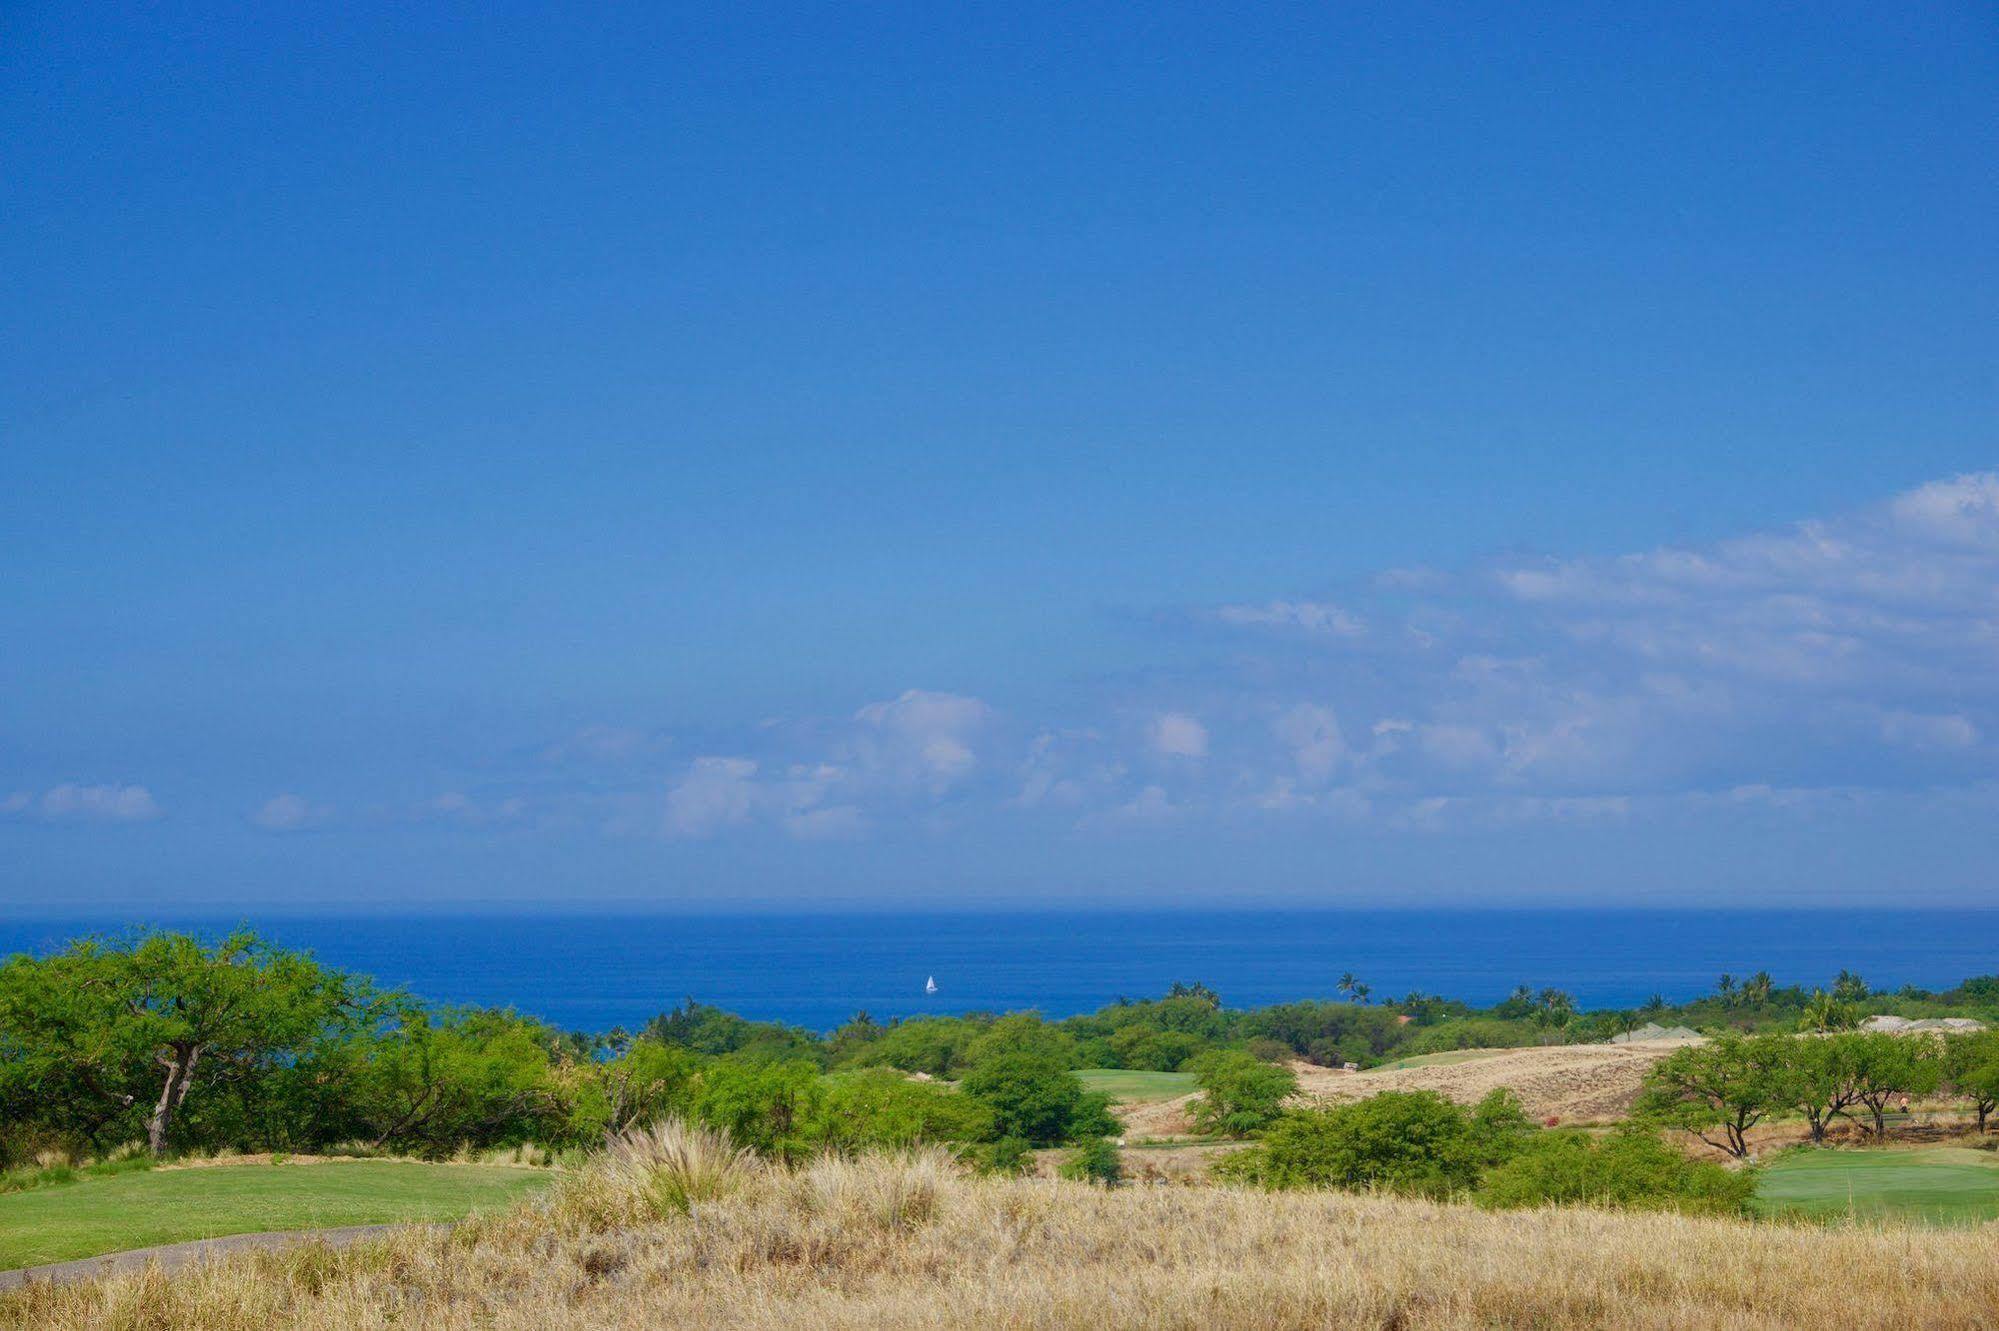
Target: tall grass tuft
{"x": 887, "y": 1192}
{"x": 650, "y": 1173}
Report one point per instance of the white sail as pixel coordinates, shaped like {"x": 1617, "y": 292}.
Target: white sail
{"x": 930, "y": 985}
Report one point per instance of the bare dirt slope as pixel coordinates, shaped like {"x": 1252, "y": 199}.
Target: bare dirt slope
{"x": 1576, "y": 1083}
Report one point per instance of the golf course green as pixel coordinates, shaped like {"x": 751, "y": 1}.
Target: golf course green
{"x": 1136, "y": 1088}
{"x": 1937, "y": 1185}
{"x": 140, "y": 1210}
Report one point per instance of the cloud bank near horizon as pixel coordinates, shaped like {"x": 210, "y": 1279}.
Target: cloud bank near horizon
{"x": 1835, "y": 661}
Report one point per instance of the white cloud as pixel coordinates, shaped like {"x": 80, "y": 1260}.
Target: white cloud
{"x": 1963, "y": 510}
{"x": 1312, "y": 733}
{"x": 920, "y": 739}
{"x": 289, "y": 813}
{"x": 716, "y": 793}
{"x": 1856, "y": 653}
{"x": 1151, "y": 805}
{"x": 1178, "y": 735}
{"x": 1917, "y": 731}
{"x": 73, "y": 803}
{"x": 1309, "y": 617}
{"x": 837, "y": 821}
{"x": 602, "y": 744}
{"x": 455, "y": 806}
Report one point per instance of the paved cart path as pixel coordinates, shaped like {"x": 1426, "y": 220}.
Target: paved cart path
{"x": 174, "y": 1255}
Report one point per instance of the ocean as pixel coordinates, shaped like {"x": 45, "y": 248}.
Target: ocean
{"x": 593, "y": 972}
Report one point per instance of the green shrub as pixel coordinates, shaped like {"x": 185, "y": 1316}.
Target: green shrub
{"x": 1271, "y": 1051}
{"x": 1094, "y": 1160}
{"x": 774, "y": 1109}
{"x": 1023, "y": 1033}
{"x": 1147, "y": 1050}
{"x": 1007, "y": 1156}
{"x": 879, "y": 1107}
{"x": 1631, "y": 1168}
{"x": 1412, "y": 1142}
{"x": 1037, "y": 1099}
{"x": 1241, "y": 1094}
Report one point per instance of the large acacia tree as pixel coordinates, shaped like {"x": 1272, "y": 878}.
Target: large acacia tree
{"x": 1720, "y": 1090}
{"x": 107, "y": 1030}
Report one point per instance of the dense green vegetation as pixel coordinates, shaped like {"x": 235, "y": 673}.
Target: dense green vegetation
{"x": 183, "y": 1044}
{"x": 1417, "y": 1143}
{"x": 140, "y": 1209}
{"x": 1933, "y": 1185}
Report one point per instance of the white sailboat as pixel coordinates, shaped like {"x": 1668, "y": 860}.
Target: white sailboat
{"x": 930, "y": 985}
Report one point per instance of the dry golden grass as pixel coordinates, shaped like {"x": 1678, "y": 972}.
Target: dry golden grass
{"x": 1575, "y": 1083}
{"x": 910, "y": 1243}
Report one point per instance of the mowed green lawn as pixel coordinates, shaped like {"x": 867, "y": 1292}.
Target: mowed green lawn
{"x": 140, "y": 1210}
{"x": 1938, "y": 1185}
{"x": 1137, "y": 1088}
{"x": 1445, "y": 1059}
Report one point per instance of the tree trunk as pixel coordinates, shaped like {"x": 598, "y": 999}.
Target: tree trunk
{"x": 180, "y": 1072}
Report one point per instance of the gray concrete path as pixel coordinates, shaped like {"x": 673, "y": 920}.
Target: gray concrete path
{"x": 174, "y": 1255}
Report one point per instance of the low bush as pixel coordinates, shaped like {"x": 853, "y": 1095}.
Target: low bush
{"x": 1631, "y": 1169}
{"x": 1241, "y": 1094}
{"x": 1037, "y": 1099}
{"x": 1094, "y": 1161}
{"x": 1411, "y": 1142}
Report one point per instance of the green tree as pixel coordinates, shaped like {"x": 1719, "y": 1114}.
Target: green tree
{"x": 1971, "y": 1068}
{"x": 1024, "y": 1033}
{"x": 1630, "y": 1169}
{"x": 774, "y": 1108}
{"x": 935, "y": 1046}
{"x": 879, "y": 1107}
{"x": 1241, "y": 1094}
{"x": 1818, "y": 1078}
{"x": 645, "y": 1082}
{"x": 437, "y": 1080}
{"x": 1553, "y": 1009}
{"x": 1093, "y": 1160}
{"x": 1037, "y": 1099}
{"x": 140, "y": 1024}
{"x": 1889, "y": 1067}
{"x": 1414, "y": 1142}
{"x": 1719, "y": 1090}
{"x": 1826, "y": 1012}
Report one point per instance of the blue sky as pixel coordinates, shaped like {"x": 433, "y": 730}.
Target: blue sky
{"x": 1081, "y": 454}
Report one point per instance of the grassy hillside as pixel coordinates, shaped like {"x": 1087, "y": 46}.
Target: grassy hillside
{"x": 1936, "y": 1185}
{"x": 878, "y": 1243}
{"x": 139, "y": 1210}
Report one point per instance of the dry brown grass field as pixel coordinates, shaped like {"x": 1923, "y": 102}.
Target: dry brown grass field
{"x": 1575, "y": 1083}
{"x": 1581, "y": 1083}
{"x": 909, "y": 1242}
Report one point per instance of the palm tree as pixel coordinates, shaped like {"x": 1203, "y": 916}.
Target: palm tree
{"x": 1725, "y": 986}
{"x": 1360, "y": 993}
{"x": 1346, "y": 985}
{"x": 1825, "y": 1013}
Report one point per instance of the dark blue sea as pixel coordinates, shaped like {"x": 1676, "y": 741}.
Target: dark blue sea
{"x": 592, "y": 972}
